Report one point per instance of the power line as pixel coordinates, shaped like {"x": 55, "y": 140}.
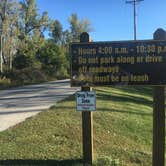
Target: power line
{"x": 134, "y": 2}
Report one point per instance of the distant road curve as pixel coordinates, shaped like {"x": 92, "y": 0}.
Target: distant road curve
{"x": 19, "y": 103}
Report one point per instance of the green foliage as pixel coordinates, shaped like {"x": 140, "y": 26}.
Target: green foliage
{"x": 4, "y": 82}
{"x": 30, "y": 25}
{"x": 77, "y": 26}
{"x": 52, "y": 59}
{"x": 25, "y": 46}
{"x": 56, "y": 31}
{"x": 27, "y": 76}
{"x": 25, "y": 56}
{"x": 22, "y": 61}
{"x": 30, "y": 18}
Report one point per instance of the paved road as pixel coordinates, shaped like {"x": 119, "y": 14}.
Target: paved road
{"x": 17, "y": 104}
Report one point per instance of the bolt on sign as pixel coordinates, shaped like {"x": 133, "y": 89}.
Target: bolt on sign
{"x": 118, "y": 63}
{"x": 86, "y": 101}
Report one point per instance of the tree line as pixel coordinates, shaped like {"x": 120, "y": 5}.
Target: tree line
{"x": 27, "y": 54}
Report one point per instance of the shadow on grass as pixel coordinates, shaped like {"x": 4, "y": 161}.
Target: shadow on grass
{"x": 68, "y": 99}
{"x": 142, "y": 90}
{"x": 106, "y": 96}
{"x": 108, "y": 110}
{"x": 125, "y": 98}
{"x": 77, "y": 162}
{"x": 122, "y": 98}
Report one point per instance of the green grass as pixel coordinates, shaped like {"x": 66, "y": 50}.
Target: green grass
{"x": 122, "y": 132}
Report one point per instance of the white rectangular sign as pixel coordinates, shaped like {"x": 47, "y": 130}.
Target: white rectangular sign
{"x": 86, "y": 101}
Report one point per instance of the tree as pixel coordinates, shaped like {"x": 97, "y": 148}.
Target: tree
{"x": 30, "y": 19}
{"x": 77, "y": 26}
{"x": 52, "y": 59}
{"x": 9, "y": 12}
{"x": 31, "y": 28}
{"x": 73, "y": 34}
{"x": 56, "y": 31}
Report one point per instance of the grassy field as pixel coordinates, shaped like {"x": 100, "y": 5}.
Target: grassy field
{"x": 122, "y": 132}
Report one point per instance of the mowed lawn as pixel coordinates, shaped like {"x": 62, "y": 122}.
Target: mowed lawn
{"x": 122, "y": 131}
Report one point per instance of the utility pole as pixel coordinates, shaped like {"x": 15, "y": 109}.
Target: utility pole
{"x": 134, "y": 2}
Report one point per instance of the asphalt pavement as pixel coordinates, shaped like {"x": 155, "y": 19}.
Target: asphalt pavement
{"x": 19, "y": 103}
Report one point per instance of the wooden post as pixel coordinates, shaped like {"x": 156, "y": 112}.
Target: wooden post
{"x": 159, "y": 116}
{"x": 87, "y": 122}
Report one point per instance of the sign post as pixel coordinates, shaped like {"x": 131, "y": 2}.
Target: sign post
{"x": 87, "y": 121}
{"x": 122, "y": 63}
{"x": 159, "y": 116}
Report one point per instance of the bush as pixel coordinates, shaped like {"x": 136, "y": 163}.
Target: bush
{"x": 4, "y": 82}
{"x": 107, "y": 161}
{"x": 53, "y": 60}
{"x": 23, "y": 61}
{"x": 27, "y": 76}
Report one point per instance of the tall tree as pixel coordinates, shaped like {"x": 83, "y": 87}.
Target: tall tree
{"x": 30, "y": 19}
{"x": 56, "y": 31}
{"x": 52, "y": 59}
{"x": 78, "y": 26}
{"x": 31, "y": 28}
{"x": 73, "y": 34}
{"x": 9, "y": 12}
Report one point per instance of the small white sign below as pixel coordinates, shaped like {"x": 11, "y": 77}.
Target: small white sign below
{"x": 86, "y": 101}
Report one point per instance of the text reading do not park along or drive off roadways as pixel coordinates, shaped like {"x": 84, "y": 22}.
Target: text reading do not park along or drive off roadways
{"x": 110, "y": 63}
